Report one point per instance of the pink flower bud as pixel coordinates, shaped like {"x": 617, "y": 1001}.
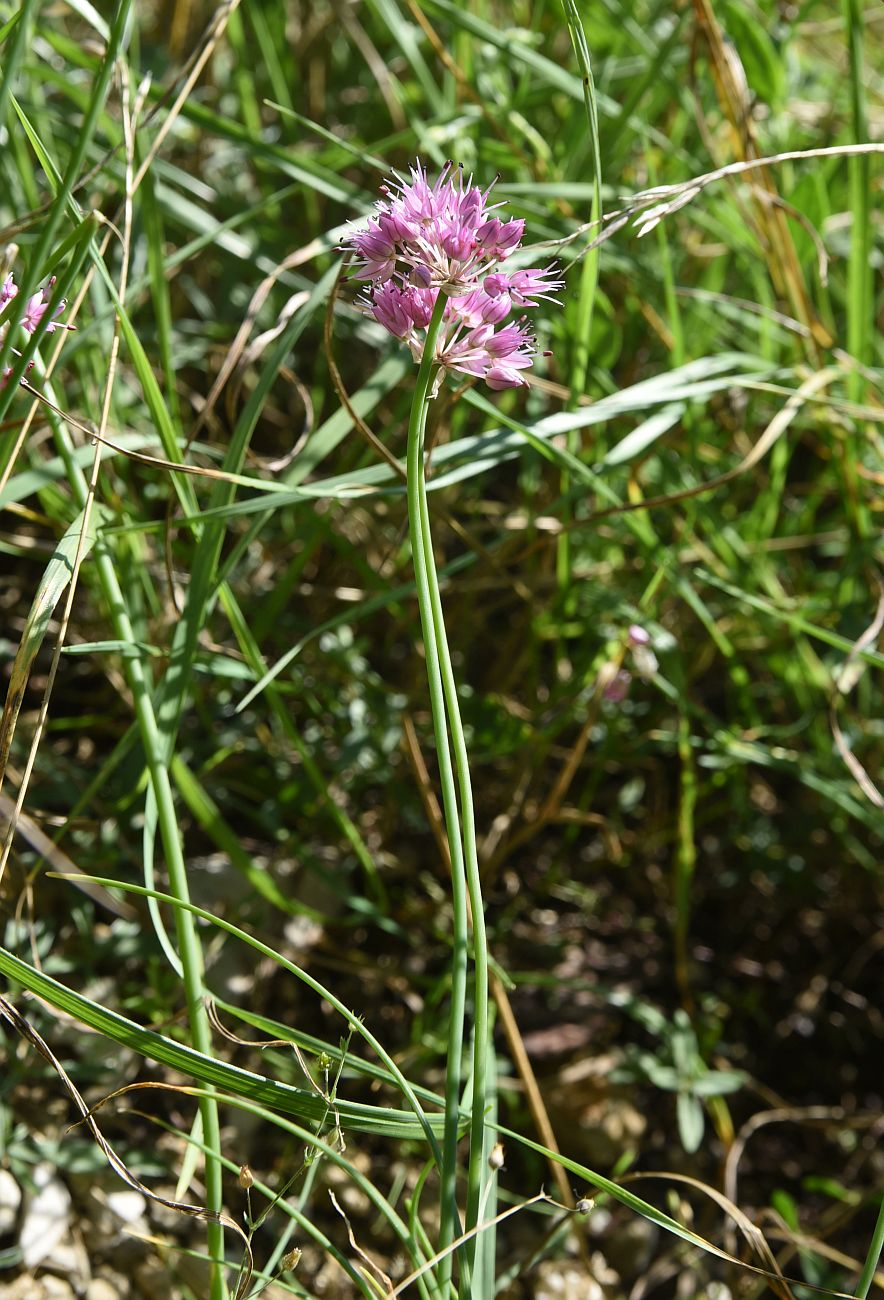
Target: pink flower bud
{"x": 458, "y": 245}
{"x": 390, "y": 308}
{"x": 494, "y": 310}
{"x": 471, "y": 206}
{"x": 510, "y": 339}
{"x": 496, "y": 283}
{"x": 420, "y": 277}
{"x": 421, "y": 304}
{"x": 510, "y": 235}
{"x": 489, "y": 232}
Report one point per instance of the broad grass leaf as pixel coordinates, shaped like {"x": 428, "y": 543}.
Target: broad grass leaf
{"x": 644, "y": 435}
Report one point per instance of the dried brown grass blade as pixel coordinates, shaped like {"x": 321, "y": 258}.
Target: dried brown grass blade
{"x": 60, "y": 863}
{"x": 374, "y": 1268}
{"x": 776, "y": 237}
{"x": 755, "y": 1237}
{"x": 431, "y": 804}
{"x": 801, "y": 1241}
{"x": 753, "y": 1234}
{"x": 260, "y": 1044}
{"x": 536, "y": 1105}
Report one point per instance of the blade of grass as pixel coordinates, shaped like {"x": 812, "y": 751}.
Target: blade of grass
{"x": 205, "y": 1067}
{"x": 860, "y": 297}
{"x": 20, "y": 26}
{"x": 61, "y": 199}
{"x": 589, "y": 271}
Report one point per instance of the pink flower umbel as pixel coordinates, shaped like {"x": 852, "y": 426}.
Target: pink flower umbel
{"x": 30, "y": 319}
{"x": 442, "y": 238}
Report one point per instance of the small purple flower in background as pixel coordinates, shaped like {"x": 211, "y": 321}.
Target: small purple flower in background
{"x": 614, "y": 680}
{"x": 33, "y": 314}
{"x": 36, "y": 310}
{"x": 642, "y": 654}
{"x": 8, "y": 290}
{"x": 431, "y": 239}
{"x": 615, "y": 683}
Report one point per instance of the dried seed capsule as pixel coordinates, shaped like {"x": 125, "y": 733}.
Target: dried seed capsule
{"x": 495, "y": 1158}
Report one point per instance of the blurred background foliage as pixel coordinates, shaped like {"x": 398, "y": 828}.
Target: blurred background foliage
{"x": 683, "y": 884}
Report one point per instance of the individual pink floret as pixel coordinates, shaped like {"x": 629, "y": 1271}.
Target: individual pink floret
{"x": 526, "y": 288}
{"x": 36, "y": 310}
{"x": 392, "y": 308}
{"x": 8, "y": 290}
{"x": 477, "y": 308}
{"x": 505, "y": 373}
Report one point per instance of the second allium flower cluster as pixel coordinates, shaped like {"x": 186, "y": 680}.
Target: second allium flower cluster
{"x": 29, "y": 320}
{"x": 445, "y": 238}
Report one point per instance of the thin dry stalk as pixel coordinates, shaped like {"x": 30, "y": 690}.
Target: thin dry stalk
{"x": 847, "y": 678}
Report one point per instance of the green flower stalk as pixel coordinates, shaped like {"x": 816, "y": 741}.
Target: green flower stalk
{"x": 430, "y": 260}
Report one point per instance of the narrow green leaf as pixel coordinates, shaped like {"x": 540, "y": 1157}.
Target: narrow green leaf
{"x": 53, "y": 584}
{"x": 380, "y": 1120}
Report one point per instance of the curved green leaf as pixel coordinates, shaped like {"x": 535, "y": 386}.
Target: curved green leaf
{"x": 380, "y": 1120}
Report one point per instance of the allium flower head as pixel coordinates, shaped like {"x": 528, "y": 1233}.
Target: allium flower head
{"x": 29, "y": 320}
{"x": 442, "y": 238}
